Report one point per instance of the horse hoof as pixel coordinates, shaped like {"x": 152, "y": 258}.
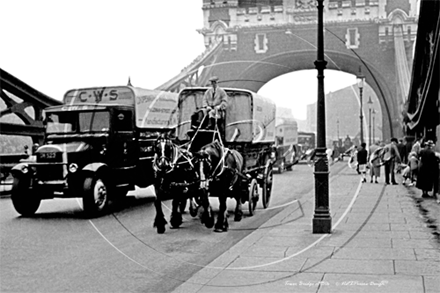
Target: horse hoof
{"x": 160, "y": 230}
{"x": 175, "y": 223}
{"x": 208, "y": 221}
{"x": 221, "y": 229}
{"x": 209, "y": 224}
{"x": 238, "y": 218}
{"x": 193, "y": 212}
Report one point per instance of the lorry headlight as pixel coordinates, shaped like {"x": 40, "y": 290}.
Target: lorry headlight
{"x": 73, "y": 167}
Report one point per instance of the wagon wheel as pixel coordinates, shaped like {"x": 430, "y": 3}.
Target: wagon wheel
{"x": 267, "y": 183}
{"x": 253, "y": 196}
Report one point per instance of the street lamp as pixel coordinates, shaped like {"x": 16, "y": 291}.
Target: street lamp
{"x": 370, "y": 104}
{"x": 374, "y": 124}
{"x": 360, "y": 82}
{"x": 322, "y": 221}
{"x": 337, "y": 128}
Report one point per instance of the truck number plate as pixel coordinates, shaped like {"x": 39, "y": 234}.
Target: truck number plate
{"x": 48, "y": 155}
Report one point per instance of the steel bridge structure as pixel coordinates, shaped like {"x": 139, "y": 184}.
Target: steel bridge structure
{"x": 249, "y": 43}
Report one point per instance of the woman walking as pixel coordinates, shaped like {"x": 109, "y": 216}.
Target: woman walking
{"x": 374, "y": 161}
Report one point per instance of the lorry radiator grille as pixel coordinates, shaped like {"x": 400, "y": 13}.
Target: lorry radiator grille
{"x": 50, "y": 172}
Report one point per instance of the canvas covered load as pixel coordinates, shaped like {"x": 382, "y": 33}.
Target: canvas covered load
{"x": 249, "y": 113}
{"x": 153, "y": 109}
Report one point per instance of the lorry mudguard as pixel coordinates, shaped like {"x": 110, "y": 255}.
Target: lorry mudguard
{"x": 21, "y": 169}
{"x": 95, "y": 167}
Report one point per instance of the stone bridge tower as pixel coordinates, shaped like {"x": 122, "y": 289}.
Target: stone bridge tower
{"x": 250, "y": 42}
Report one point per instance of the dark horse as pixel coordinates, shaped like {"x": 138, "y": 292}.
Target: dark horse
{"x": 176, "y": 179}
{"x": 220, "y": 171}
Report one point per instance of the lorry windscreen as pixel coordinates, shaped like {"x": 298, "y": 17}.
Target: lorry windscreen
{"x": 73, "y": 122}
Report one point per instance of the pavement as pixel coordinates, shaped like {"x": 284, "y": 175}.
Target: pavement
{"x": 380, "y": 242}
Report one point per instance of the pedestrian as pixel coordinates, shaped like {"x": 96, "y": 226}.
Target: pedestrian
{"x": 329, "y": 153}
{"x": 413, "y": 163}
{"x": 391, "y": 159}
{"x": 408, "y": 145}
{"x": 362, "y": 155}
{"x": 352, "y": 161}
{"x": 402, "y": 150}
{"x": 417, "y": 146}
{"x": 428, "y": 170}
{"x": 374, "y": 161}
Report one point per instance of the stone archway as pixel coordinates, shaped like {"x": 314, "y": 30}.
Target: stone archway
{"x": 253, "y": 75}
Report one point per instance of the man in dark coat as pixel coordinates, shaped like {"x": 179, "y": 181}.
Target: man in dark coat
{"x": 402, "y": 150}
{"x": 428, "y": 169}
{"x": 362, "y": 155}
{"x": 391, "y": 159}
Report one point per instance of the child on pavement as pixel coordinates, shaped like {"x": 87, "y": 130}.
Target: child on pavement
{"x": 410, "y": 171}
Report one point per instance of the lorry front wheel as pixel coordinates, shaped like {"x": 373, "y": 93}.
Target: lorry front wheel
{"x": 24, "y": 200}
{"x": 95, "y": 196}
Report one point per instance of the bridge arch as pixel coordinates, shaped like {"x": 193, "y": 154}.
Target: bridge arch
{"x": 257, "y": 73}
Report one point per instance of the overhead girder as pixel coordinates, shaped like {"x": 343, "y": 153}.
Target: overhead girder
{"x": 36, "y": 132}
{"x": 31, "y": 98}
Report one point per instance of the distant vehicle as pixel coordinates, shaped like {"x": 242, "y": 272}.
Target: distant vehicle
{"x": 306, "y": 140}
{"x": 287, "y": 151}
{"x": 98, "y": 146}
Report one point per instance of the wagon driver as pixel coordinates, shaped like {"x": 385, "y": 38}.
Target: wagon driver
{"x": 215, "y": 102}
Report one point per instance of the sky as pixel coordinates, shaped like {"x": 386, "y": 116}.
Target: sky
{"x": 57, "y": 45}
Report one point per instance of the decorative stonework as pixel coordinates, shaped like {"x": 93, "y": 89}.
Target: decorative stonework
{"x": 230, "y": 42}
{"x": 305, "y": 4}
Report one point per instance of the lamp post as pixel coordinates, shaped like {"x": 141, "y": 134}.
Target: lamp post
{"x": 337, "y": 128}
{"x": 370, "y": 104}
{"x": 374, "y": 124}
{"x": 322, "y": 221}
{"x": 360, "y": 82}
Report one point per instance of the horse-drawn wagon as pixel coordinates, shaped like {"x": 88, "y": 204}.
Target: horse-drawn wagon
{"x": 240, "y": 159}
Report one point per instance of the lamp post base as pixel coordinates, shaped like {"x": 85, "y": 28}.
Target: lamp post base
{"x": 322, "y": 225}
{"x": 322, "y": 220}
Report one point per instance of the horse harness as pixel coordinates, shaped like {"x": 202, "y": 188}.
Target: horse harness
{"x": 220, "y": 165}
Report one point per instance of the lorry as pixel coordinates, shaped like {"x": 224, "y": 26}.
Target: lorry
{"x": 287, "y": 152}
{"x": 98, "y": 145}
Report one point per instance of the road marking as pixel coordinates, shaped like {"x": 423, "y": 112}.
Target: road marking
{"x": 306, "y": 248}
{"x": 248, "y": 267}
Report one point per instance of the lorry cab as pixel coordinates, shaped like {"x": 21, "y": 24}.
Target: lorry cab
{"x": 92, "y": 133}
{"x": 97, "y": 146}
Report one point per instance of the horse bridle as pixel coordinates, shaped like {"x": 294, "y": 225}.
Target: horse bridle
{"x": 177, "y": 153}
{"x": 213, "y": 174}
{"x": 163, "y": 142}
